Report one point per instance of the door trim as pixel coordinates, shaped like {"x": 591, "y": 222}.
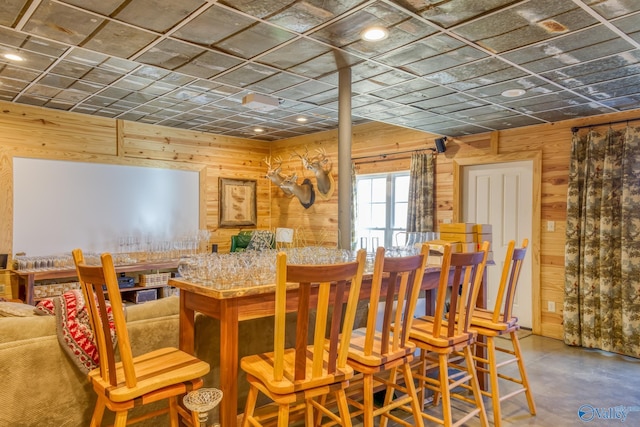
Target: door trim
{"x": 536, "y": 158}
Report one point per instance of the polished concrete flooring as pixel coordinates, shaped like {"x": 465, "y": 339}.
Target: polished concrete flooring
{"x": 566, "y": 380}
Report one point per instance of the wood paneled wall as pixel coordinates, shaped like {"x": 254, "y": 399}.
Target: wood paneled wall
{"x": 387, "y": 143}
{"x": 40, "y": 133}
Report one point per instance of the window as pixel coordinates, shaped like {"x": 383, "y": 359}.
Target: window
{"x": 381, "y": 211}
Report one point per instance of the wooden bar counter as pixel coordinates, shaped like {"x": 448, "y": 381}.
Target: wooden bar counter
{"x": 240, "y": 303}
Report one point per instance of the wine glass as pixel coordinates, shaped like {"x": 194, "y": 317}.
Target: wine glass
{"x": 202, "y": 401}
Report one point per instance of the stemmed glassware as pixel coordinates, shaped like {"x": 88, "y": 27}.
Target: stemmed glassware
{"x": 202, "y": 401}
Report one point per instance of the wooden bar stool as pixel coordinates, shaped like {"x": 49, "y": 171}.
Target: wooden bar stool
{"x": 381, "y": 353}
{"x": 446, "y": 338}
{"x": 500, "y": 321}
{"x": 300, "y": 378}
{"x": 134, "y": 381}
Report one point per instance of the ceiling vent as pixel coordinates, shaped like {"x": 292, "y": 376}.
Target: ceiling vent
{"x": 259, "y": 102}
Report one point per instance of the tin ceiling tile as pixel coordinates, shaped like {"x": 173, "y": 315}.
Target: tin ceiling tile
{"x": 212, "y": 26}
{"x": 62, "y": 23}
{"x": 170, "y": 54}
{"x": 630, "y": 26}
{"x": 613, "y": 67}
{"x": 276, "y": 82}
{"x": 254, "y": 40}
{"x": 348, "y": 30}
{"x": 582, "y": 110}
{"x": 293, "y": 53}
{"x": 103, "y": 7}
{"x": 119, "y": 40}
{"x": 327, "y": 63}
{"x": 165, "y": 14}
{"x": 525, "y": 23}
{"x": 611, "y": 9}
{"x": 556, "y": 58}
{"x": 209, "y": 64}
{"x": 302, "y": 16}
{"x": 449, "y": 13}
{"x": 246, "y": 75}
{"x": 10, "y": 11}
{"x": 190, "y": 65}
{"x": 623, "y": 103}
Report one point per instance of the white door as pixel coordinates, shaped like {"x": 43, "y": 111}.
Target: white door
{"x": 501, "y": 194}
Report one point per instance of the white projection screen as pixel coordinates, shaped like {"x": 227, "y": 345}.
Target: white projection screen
{"x": 62, "y": 205}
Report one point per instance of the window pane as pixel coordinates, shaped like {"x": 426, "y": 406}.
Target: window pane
{"x": 402, "y": 188}
{"x": 400, "y": 215}
{"x": 378, "y": 215}
{"x": 382, "y": 208}
{"x": 379, "y": 190}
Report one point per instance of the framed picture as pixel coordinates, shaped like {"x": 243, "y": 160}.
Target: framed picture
{"x": 237, "y": 202}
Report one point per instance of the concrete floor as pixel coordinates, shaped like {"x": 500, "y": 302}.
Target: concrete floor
{"x": 566, "y": 379}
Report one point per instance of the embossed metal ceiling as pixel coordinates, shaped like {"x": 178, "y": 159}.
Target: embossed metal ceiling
{"x": 443, "y": 68}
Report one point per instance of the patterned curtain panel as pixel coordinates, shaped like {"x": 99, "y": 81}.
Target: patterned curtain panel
{"x": 602, "y": 252}
{"x": 354, "y": 207}
{"x": 420, "y": 211}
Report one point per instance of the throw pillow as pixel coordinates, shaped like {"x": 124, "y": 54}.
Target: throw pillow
{"x": 261, "y": 240}
{"x": 15, "y": 309}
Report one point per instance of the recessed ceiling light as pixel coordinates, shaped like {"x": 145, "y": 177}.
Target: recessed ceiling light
{"x": 512, "y": 93}
{"x": 13, "y": 57}
{"x": 374, "y": 34}
{"x": 301, "y": 119}
{"x": 258, "y": 130}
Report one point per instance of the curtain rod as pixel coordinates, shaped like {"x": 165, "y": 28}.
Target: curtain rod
{"x": 575, "y": 128}
{"x": 384, "y": 156}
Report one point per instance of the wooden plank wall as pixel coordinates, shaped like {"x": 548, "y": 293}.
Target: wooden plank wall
{"x": 387, "y": 144}
{"x": 41, "y": 133}
{"x": 35, "y": 132}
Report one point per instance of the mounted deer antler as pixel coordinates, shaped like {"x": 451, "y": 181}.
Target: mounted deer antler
{"x": 273, "y": 173}
{"x": 321, "y": 167}
{"x": 303, "y": 192}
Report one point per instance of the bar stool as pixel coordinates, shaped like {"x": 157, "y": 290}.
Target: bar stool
{"x": 381, "y": 353}
{"x": 300, "y": 378}
{"x": 446, "y": 338}
{"x": 500, "y": 321}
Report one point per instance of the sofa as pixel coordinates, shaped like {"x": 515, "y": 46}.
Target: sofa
{"x": 42, "y": 386}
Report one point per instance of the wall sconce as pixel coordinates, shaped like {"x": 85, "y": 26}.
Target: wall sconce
{"x": 440, "y": 147}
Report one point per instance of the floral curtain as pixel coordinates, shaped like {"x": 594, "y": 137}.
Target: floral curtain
{"x": 354, "y": 206}
{"x": 602, "y": 250}
{"x": 420, "y": 211}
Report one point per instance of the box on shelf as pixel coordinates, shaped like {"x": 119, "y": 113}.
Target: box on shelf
{"x": 125, "y": 281}
{"x": 169, "y": 291}
{"x": 54, "y": 289}
{"x": 143, "y": 295}
{"x": 467, "y": 247}
{"x": 457, "y": 227}
{"x": 482, "y": 228}
{"x": 458, "y": 237}
{"x": 156, "y": 279}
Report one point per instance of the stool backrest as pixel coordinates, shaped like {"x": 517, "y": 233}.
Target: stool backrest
{"x": 464, "y": 272}
{"x": 509, "y": 281}
{"x": 320, "y": 288}
{"x": 403, "y": 277}
{"x": 98, "y": 281}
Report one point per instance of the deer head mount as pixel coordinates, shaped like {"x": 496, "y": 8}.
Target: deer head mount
{"x": 303, "y": 192}
{"x": 321, "y": 167}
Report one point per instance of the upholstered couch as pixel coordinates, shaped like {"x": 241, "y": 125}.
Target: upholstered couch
{"x": 42, "y": 386}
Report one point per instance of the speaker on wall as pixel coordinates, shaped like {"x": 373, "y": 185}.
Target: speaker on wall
{"x": 440, "y": 147}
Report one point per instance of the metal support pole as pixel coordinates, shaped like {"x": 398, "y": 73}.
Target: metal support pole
{"x": 345, "y": 187}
